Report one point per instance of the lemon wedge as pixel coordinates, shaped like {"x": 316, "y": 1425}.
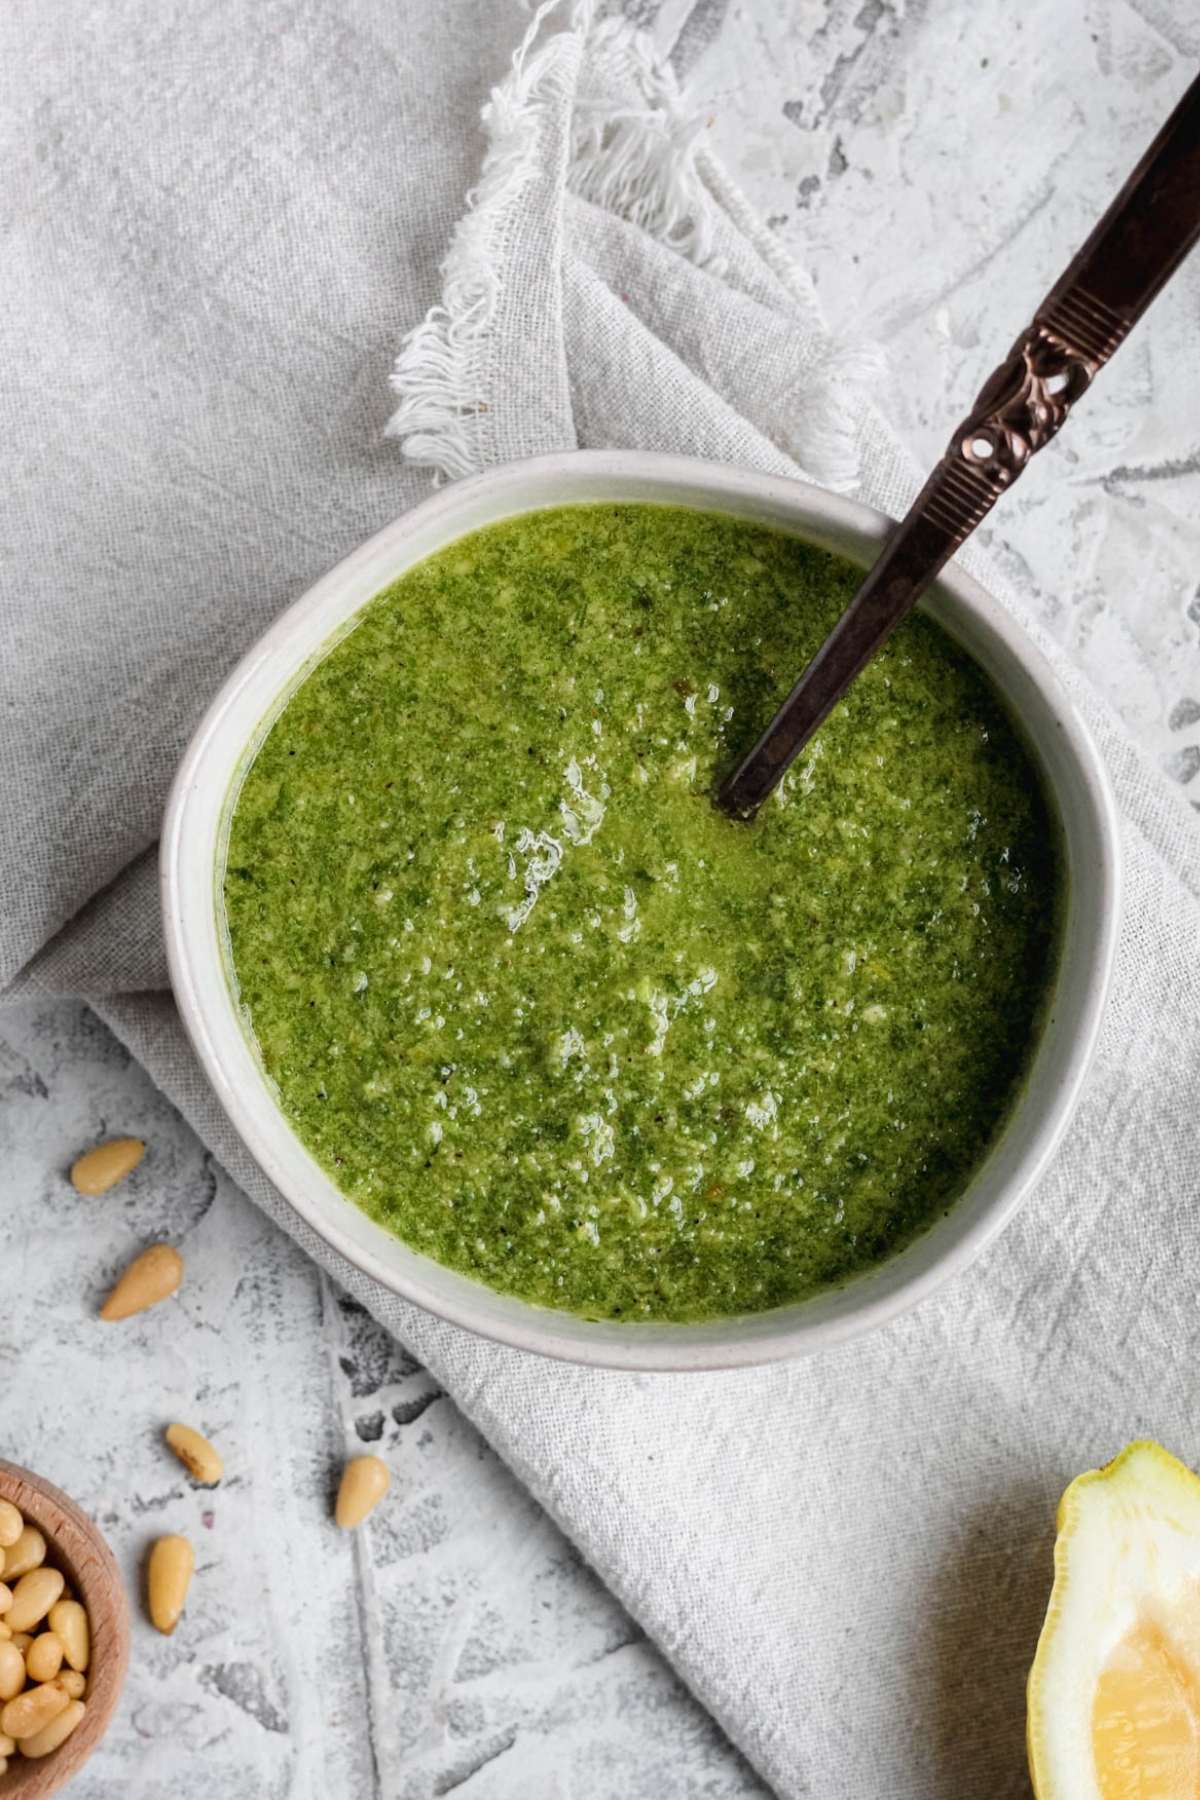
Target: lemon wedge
{"x": 1114, "y": 1692}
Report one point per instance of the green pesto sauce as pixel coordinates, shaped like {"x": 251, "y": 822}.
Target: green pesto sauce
{"x": 539, "y": 1008}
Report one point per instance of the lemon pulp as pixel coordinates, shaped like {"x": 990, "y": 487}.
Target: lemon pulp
{"x": 1114, "y": 1692}
{"x": 1146, "y": 1718}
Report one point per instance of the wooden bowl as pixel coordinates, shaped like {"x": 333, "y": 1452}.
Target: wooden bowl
{"x": 74, "y": 1545}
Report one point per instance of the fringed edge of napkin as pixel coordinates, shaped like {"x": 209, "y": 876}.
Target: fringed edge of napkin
{"x": 439, "y": 373}
{"x": 636, "y": 150}
{"x": 641, "y": 161}
{"x": 638, "y": 161}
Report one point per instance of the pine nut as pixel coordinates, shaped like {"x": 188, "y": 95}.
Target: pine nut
{"x": 150, "y": 1277}
{"x": 44, "y": 1657}
{"x": 364, "y": 1482}
{"x": 41, "y": 1702}
{"x": 33, "y": 1597}
{"x": 168, "y": 1575}
{"x": 201, "y": 1460}
{"x": 69, "y": 1621}
{"x": 100, "y": 1169}
{"x": 12, "y": 1671}
{"x": 54, "y": 1734}
{"x": 28, "y": 1552}
{"x": 11, "y": 1524}
{"x": 33, "y": 1710}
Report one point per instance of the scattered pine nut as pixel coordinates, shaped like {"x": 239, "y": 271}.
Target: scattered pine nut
{"x": 200, "y": 1458}
{"x": 69, "y": 1622}
{"x": 11, "y": 1524}
{"x": 28, "y": 1552}
{"x": 101, "y": 1168}
{"x": 364, "y": 1482}
{"x": 33, "y": 1597}
{"x": 44, "y": 1657}
{"x": 168, "y": 1577}
{"x": 33, "y": 1710}
{"x": 150, "y": 1277}
{"x": 54, "y": 1734}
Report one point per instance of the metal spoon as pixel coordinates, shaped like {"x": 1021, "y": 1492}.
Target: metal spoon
{"x": 1131, "y": 254}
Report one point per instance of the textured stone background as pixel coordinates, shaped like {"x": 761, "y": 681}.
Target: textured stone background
{"x": 455, "y": 1645}
{"x": 933, "y": 164}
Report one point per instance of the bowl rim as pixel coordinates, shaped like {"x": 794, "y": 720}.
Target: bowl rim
{"x": 887, "y": 1289}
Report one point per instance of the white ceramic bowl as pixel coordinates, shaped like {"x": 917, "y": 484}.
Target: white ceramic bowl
{"x": 192, "y": 850}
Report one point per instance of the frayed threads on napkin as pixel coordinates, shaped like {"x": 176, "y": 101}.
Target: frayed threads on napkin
{"x": 439, "y": 374}
{"x": 636, "y": 159}
{"x": 590, "y": 109}
{"x": 641, "y": 161}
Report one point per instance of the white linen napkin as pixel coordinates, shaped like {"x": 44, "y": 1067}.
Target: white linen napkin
{"x": 846, "y": 1558}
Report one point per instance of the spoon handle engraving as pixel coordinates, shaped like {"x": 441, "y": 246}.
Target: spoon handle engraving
{"x": 1129, "y": 256}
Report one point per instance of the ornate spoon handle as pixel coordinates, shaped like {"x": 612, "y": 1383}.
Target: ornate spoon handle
{"x": 1133, "y": 251}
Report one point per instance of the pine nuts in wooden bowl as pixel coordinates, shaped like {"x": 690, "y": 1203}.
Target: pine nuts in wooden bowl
{"x": 93, "y": 1628}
